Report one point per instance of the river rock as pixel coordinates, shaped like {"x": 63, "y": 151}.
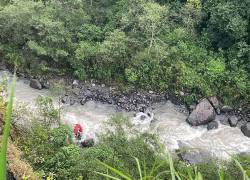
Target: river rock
{"x": 65, "y": 99}
{"x": 215, "y": 103}
{"x": 45, "y": 84}
{"x": 34, "y": 83}
{"x": 87, "y": 143}
{"x": 83, "y": 101}
{"x": 76, "y": 91}
{"x": 202, "y": 114}
{"x": 226, "y": 109}
{"x": 191, "y": 155}
{"x": 88, "y": 94}
{"x": 75, "y": 83}
{"x": 212, "y": 125}
{"x": 72, "y": 102}
{"x": 233, "y": 120}
{"x": 246, "y": 129}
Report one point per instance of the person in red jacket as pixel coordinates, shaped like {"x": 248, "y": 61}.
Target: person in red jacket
{"x": 78, "y": 131}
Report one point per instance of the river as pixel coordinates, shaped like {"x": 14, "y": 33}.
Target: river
{"x": 170, "y": 124}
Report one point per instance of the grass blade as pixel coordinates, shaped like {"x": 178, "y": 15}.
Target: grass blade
{"x": 6, "y": 131}
{"x": 115, "y": 171}
{"x": 139, "y": 167}
{"x": 245, "y": 176}
{"x": 222, "y": 174}
{"x": 171, "y": 164}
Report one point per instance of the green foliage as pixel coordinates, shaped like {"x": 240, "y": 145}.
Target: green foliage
{"x": 200, "y": 47}
{"x": 6, "y": 131}
{"x": 61, "y": 136}
{"x": 63, "y": 163}
{"x": 47, "y": 110}
{"x": 34, "y": 143}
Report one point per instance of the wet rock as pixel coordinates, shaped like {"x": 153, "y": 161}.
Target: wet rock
{"x": 223, "y": 119}
{"x": 75, "y": 83}
{"x": 202, "y": 114}
{"x": 233, "y": 120}
{"x": 192, "y": 156}
{"x": 65, "y": 100}
{"x": 45, "y": 84}
{"x": 246, "y": 129}
{"x": 72, "y": 102}
{"x": 19, "y": 74}
{"x": 76, "y": 91}
{"x": 215, "y": 103}
{"x": 141, "y": 107}
{"x": 87, "y": 143}
{"x": 191, "y": 107}
{"x": 83, "y": 101}
{"x": 226, "y": 109}
{"x": 241, "y": 122}
{"x": 212, "y": 125}
{"x": 34, "y": 83}
{"x": 88, "y": 94}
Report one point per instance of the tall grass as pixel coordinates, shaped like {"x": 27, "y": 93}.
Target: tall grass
{"x": 6, "y": 131}
{"x": 192, "y": 174}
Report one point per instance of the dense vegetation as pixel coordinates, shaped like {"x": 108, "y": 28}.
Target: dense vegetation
{"x": 49, "y": 153}
{"x": 53, "y": 155}
{"x": 201, "y": 47}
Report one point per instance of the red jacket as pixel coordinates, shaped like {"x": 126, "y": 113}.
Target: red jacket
{"x": 78, "y": 128}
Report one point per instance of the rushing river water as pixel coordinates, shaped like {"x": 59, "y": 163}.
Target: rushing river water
{"x": 170, "y": 124}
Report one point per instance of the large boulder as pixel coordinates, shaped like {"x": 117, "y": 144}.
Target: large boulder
{"x": 246, "y": 129}
{"x": 215, "y": 103}
{"x": 34, "y": 83}
{"x": 202, "y": 114}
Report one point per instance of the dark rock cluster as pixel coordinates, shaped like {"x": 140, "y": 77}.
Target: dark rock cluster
{"x": 130, "y": 101}
{"x": 209, "y": 111}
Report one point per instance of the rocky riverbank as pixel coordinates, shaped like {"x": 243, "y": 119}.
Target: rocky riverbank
{"x": 203, "y": 112}
{"x": 169, "y": 120}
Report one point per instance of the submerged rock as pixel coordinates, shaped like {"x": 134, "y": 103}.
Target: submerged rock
{"x": 212, "y": 125}
{"x": 191, "y": 155}
{"x": 34, "y": 83}
{"x": 202, "y": 114}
